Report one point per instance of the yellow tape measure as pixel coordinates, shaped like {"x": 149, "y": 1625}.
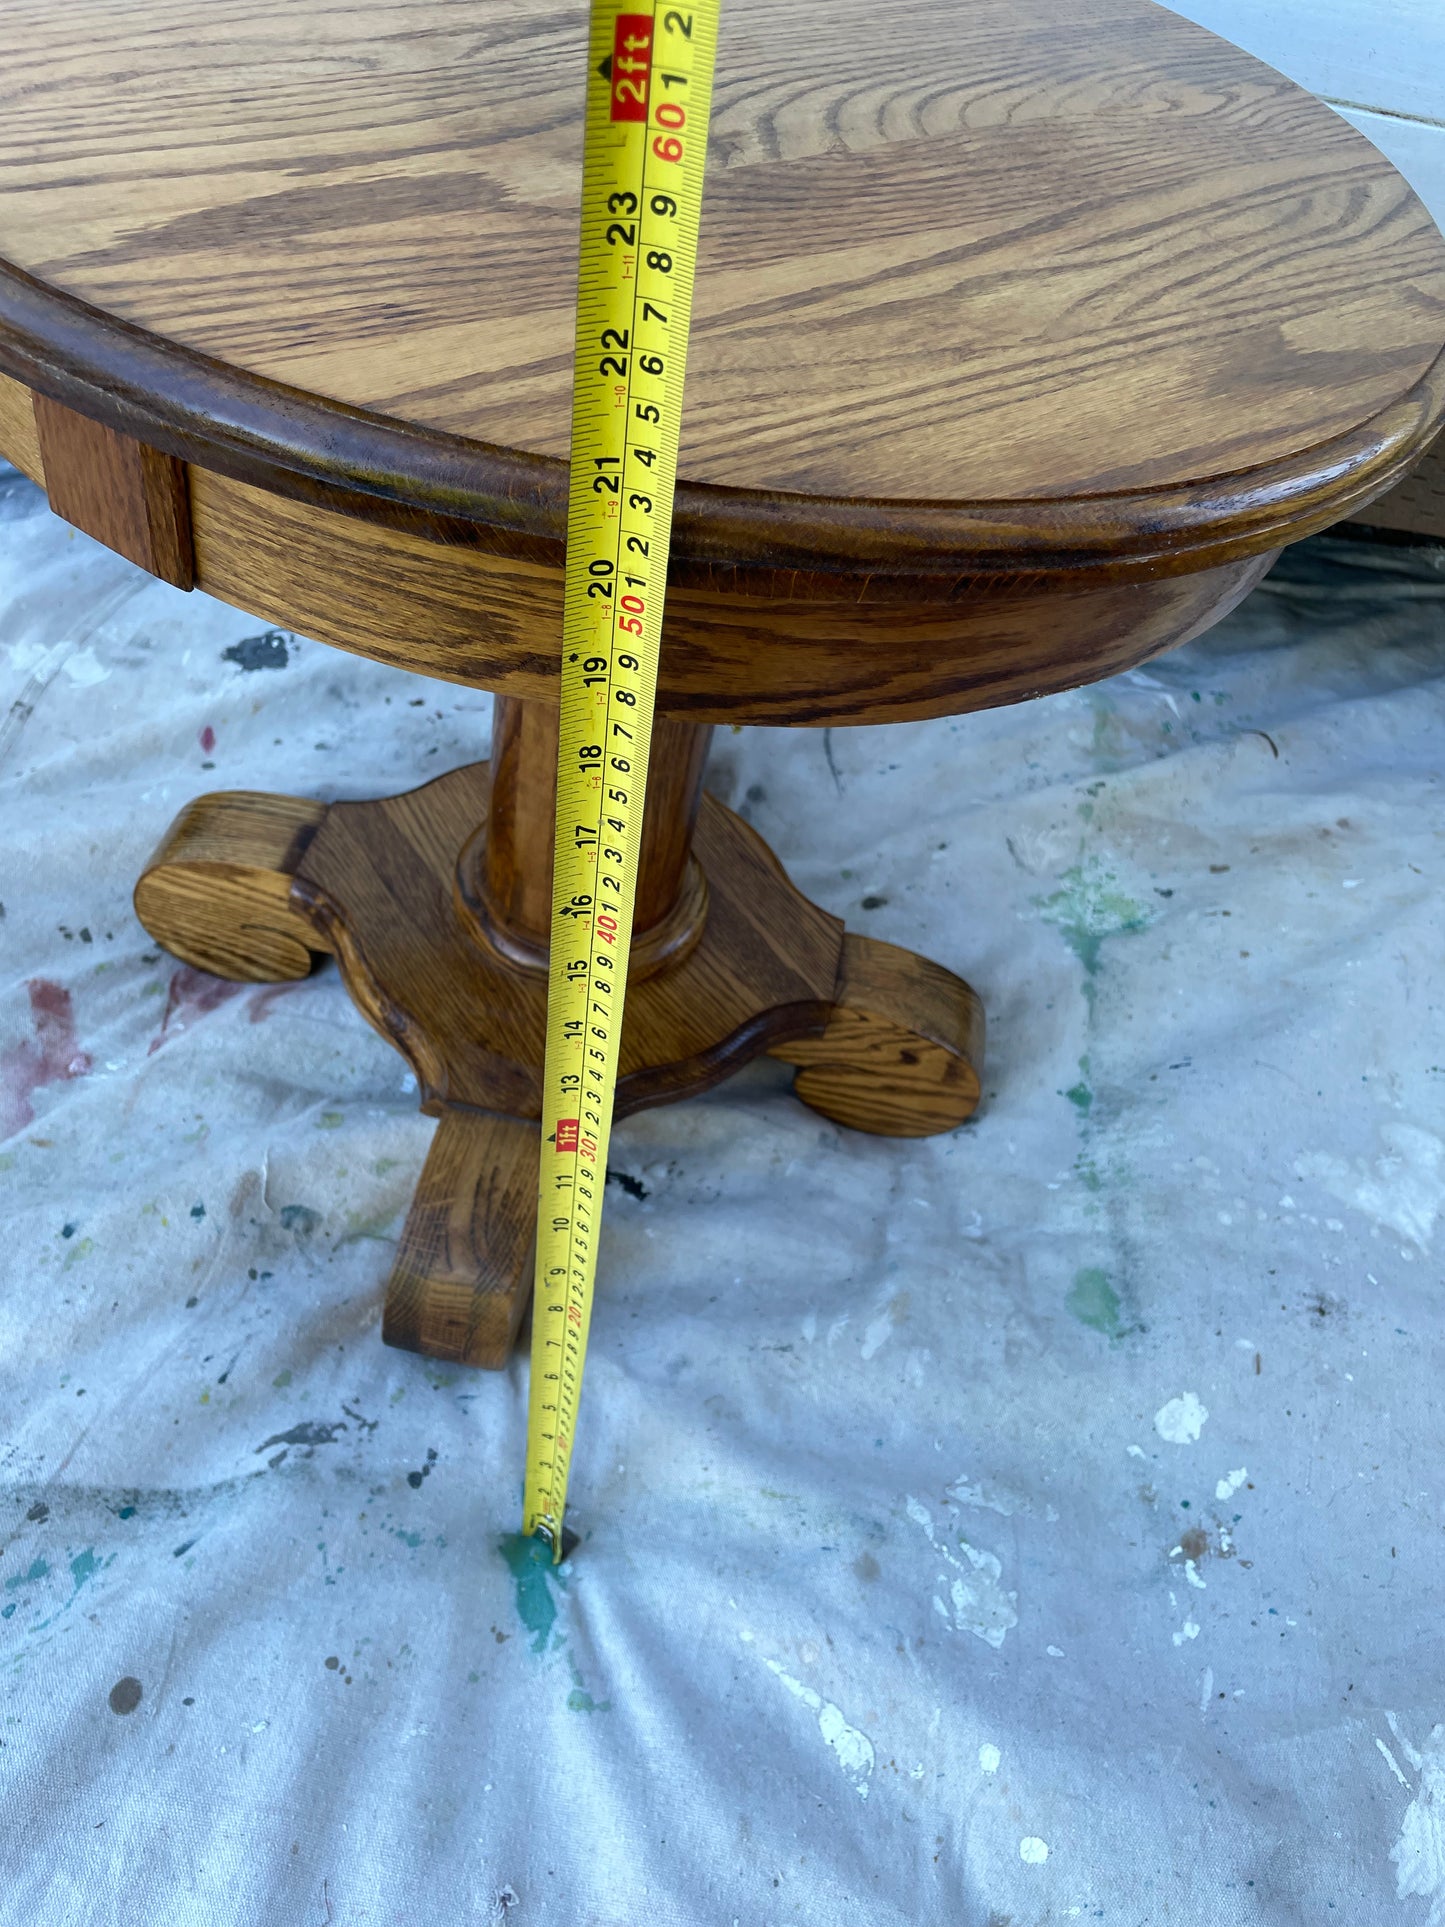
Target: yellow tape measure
{"x": 649, "y": 89}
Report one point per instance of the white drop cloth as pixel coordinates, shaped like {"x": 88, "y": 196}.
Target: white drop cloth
{"x": 1041, "y": 1523}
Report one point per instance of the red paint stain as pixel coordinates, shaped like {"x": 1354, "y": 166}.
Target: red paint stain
{"x": 192, "y": 993}
{"x": 264, "y": 1001}
{"x": 51, "y": 1056}
{"x": 208, "y": 739}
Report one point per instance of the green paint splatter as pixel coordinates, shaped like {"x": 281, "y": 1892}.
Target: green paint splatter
{"x": 77, "y": 1252}
{"x": 330, "y": 1121}
{"x": 412, "y": 1539}
{"x": 1094, "y": 1302}
{"x": 1081, "y": 1096}
{"x": 579, "y": 1700}
{"x": 1087, "y": 910}
{"x": 530, "y": 1563}
{"x": 38, "y": 1570}
{"x": 84, "y": 1566}
{"x": 282, "y": 1379}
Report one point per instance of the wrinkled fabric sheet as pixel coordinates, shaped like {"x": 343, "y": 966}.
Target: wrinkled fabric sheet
{"x": 1034, "y": 1524}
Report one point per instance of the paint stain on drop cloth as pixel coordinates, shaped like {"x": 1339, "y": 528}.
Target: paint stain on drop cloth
{"x": 1088, "y": 909}
{"x": 579, "y": 1700}
{"x": 533, "y": 1574}
{"x": 1419, "y": 1853}
{"x": 1094, "y": 1302}
{"x": 1181, "y": 1420}
{"x": 125, "y": 1695}
{"x": 852, "y": 1749}
{"x": 51, "y": 1056}
{"x": 267, "y": 651}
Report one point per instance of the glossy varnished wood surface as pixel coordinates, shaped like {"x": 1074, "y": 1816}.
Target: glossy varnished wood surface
{"x": 378, "y": 883}
{"x": 960, "y": 275}
{"x": 19, "y": 436}
{"x": 251, "y": 886}
{"x": 463, "y": 1272}
{"x": 883, "y": 648}
{"x": 504, "y": 873}
{"x": 219, "y": 886}
{"x": 131, "y": 497}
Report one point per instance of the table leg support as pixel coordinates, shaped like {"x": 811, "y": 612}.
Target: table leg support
{"x": 463, "y": 1272}
{"x": 433, "y": 908}
{"x": 217, "y": 892}
{"x": 902, "y": 1050}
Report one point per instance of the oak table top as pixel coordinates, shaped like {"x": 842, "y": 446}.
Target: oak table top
{"x": 1064, "y": 287}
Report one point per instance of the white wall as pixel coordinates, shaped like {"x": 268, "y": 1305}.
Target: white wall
{"x": 1381, "y": 63}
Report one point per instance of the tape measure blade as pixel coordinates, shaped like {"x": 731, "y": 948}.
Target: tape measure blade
{"x": 649, "y": 91}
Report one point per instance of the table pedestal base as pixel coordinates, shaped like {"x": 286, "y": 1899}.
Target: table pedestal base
{"x": 255, "y": 887}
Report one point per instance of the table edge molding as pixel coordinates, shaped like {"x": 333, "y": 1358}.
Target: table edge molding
{"x": 473, "y": 494}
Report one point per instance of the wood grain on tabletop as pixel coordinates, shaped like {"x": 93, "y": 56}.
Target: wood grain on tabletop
{"x": 1015, "y": 250}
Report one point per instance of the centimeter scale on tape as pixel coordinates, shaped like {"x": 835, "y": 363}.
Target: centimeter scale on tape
{"x": 649, "y": 90}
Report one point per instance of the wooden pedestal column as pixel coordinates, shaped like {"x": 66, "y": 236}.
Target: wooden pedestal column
{"x": 505, "y": 871}
{"x": 436, "y": 905}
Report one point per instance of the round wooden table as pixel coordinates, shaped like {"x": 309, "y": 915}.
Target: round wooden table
{"x": 1026, "y": 333}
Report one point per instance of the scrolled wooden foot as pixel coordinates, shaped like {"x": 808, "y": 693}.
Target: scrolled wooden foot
{"x": 217, "y": 892}
{"x": 902, "y": 1050}
{"x": 463, "y": 1273}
